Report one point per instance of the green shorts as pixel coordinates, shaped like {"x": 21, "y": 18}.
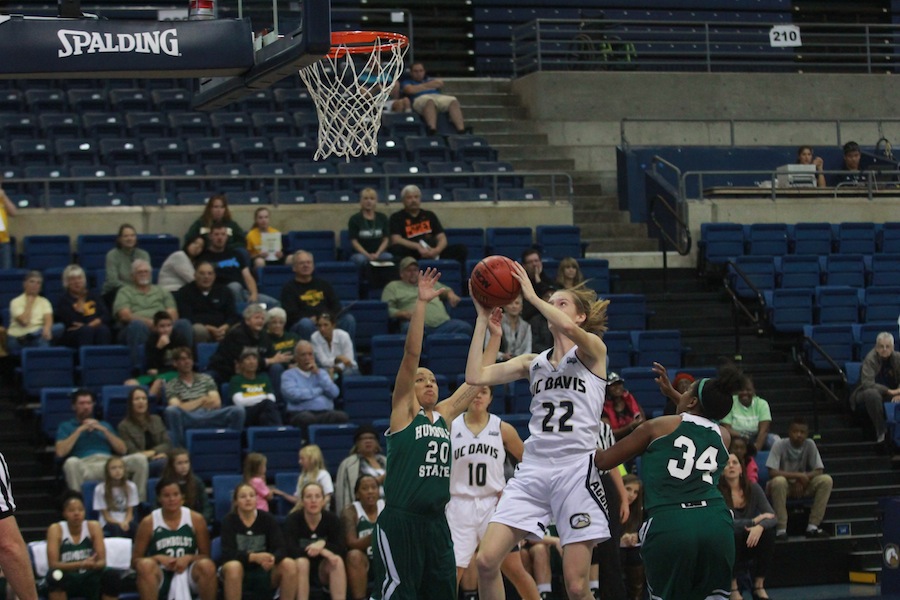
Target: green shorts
{"x": 689, "y": 552}
{"x": 413, "y": 557}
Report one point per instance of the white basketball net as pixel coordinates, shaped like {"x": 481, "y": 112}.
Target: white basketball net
{"x": 350, "y": 92}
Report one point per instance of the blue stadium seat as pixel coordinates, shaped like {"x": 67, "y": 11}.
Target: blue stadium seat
{"x": 88, "y": 100}
{"x": 627, "y": 311}
{"x": 400, "y": 125}
{"x": 425, "y": 149}
{"x": 147, "y": 124}
{"x": 231, "y": 124}
{"x": 317, "y": 176}
{"x": 837, "y": 304}
{"x": 885, "y": 270}
{"x": 464, "y": 310}
{"x": 188, "y": 174}
{"x": 391, "y": 149}
{"x": 319, "y": 243}
{"x": 721, "y": 242}
{"x": 290, "y": 100}
{"x": 451, "y": 273}
{"x": 596, "y": 274}
{"x": 272, "y": 124}
{"x": 845, "y": 269}
{"x": 171, "y": 99}
{"x": 440, "y": 171}
{"x": 334, "y": 440}
{"x": 192, "y": 198}
{"x": 127, "y": 100}
{"x": 166, "y": 151}
{"x": 43, "y": 251}
{"x": 222, "y": 493}
{"x": 447, "y": 353}
{"x": 343, "y": 277}
{"x": 660, "y": 345}
{"x": 87, "y": 492}
{"x": 59, "y": 125}
{"x": 255, "y": 150}
{"x": 98, "y": 182}
{"x": 866, "y": 333}
{"x": 242, "y": 197}
{"x": 56, "y": 407}
{"x": 280, "y": 445}
{"x": 11, "y": 284}
{"x": 641, "y": 382}
{"x": 812, "y": 238}
{"x": 39, "y": 101}
{"x": 473, "y": 194}
{"x": 799, "y": 271}
{"x": 273, "y": 278}
{"x": 104, "y": 365}
{"x": 508, "y": 241}
{"x": 76, "y": 151}
{"x": 122, "y": 151}
{"x": 158, "y": 246}
{"x": 141, "y": 175}
{"x": 51, "y": 172}
{"x": 760, "y": 270}
{"x": 103, "y": 199}
{"x": 233, "y": 177}
{"x": 32, "y": 152}
{"x": 837, "y": 341}
{"x": 767, "y": 239}
{"x": 520, "y": 422}
{"x": 406, "y": 173}
{"x": 47, "y": 368}
{"x": 559, "y": 241}
{"x": 187, "y": 124}
{"x": 205, "y": 350}
{"x": 272, "y": 175}
{"x": 214, "y": 452}
{"x": 366, "y": 397}
{"x": 286, "y": 482}
{"x": 387, "y": 352}
{"x": 618, "y": 349}
{"x": 882, "y": 303}
{"x": 91, "y": 250}
{"x": 362, "y": 175}
{"x": 306, "y": 123}
{"x": 497, "y": 174}
{"x": 14, "y": 126}
{"x": 890, "y": 238}
{"x": 208, "y": 150}
{"x": 470, "y": 237}
{"x": 114, "y": 402}
{"x": 371, "y": 320}
{"x": 103, "y": 125}
{"x": 470, "y": 148}
{"x": 856, "y": 238}
{"x": 790, "y": 309}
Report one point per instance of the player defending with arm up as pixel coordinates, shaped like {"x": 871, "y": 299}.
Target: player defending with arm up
{"x": 413, "y": 550}
{"x": 556, "y": 480}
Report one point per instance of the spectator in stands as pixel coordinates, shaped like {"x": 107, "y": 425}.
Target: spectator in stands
{"x": 254, "y": 391}
{"x": 333, "y": 349}
{"x": 621, "y": 410}
{"x": 30, "y": 316}
{"x": 368, "y": 230}
{"x": 120, "y": 262}
{"x": 754, "y": 527}
{"x": 85, "y": 444}
{"x": 306, "y": 296}
{"x": 207, "y": 304}
{"x": 568, "y": 274}
{"x": 283, "y": 342}
{"x": 425, "y": 94}
{"x": 158, "y": 351}
{"x": 418, "y": 232}
{"x": 216, "y": 213}
{"x": 253, "y": 551}
{"x": 796, "y": 471}
{"x": 231, "y": 268}
{"x": 314, "y": 538}
{"x": 178, "y": 269}
{"x": 365, "y": 459}
{"x": 7, "y": 209}
{"x": 144, "y": 432}
{"x": 682, "y": 384}
{"x": 746, "y": 454}
{"x": 178, "y": 468}
{"x": 401, "y": 297}
{"x": 541, "y": 338}
{"x": 879, "y": 382}
{"x": 750, "y": 418}
{"x": 135, "y": 305}
{"x": 309, "y": 392}
{"x": 359, "y": 520}
{"x": 194, "y": 401}
{"x": 313, "y": 470}
{"x": 82, "y": 313}
{"x": 516, "y": 331}
{"x": 805, "y": 157}
{"x": 249, "y": 334}
{"x": 75, "y": 550}
{"x": 534, "y": 266}
{"x": 260, "y": 255}
{"x": 855, "y": 176}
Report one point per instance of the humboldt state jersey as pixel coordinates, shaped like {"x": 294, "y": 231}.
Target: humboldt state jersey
{"x": 172, "y": 542}
{"x": 477, "y": 470}
{"x": 685, "y": 465}
{"x": 419, "y": 455}
{"x": 566, "y": 405}
{"x": 69, "y": 551}
{"x": 364, "y": 526}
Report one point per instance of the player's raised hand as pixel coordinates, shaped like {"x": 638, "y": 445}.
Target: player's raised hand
{"x": 521, "y": 276}
{"x": 496, "y": 315}
{"x": 662, "y": 380}
{"x": 427, "y": 280}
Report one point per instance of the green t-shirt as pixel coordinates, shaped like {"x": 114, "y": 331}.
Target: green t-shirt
{"x": 399, "y": 296}
{"x": 253, "y": 390}
{"x": 368, "y": 233}
{"x": 745, "y": 419}
{"x": 419, "y": 478}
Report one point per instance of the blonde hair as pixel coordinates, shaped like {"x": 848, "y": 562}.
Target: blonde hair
{"x": 317, "y": 463}
{"x": 299, "y": 505}
{"x": 590, "y": 305}
{"x": 563, "y": 265}
{"x": 252, "y": 464}
{"x": 109, "y": 483}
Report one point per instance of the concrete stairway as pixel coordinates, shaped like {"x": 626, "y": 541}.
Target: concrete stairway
{"x": 493, "y": 111}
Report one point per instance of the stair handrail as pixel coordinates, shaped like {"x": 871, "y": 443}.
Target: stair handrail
{"x": 817, "y": 381}
{"x": 684, "y": 232}
{"x": 737, "y": 305}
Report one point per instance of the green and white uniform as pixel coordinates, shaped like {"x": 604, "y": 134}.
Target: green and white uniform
{"x": 83, "y": 582}
{"x": 688, "y": 539}
{"x": 412, "y": 548}
{"x": 173, "y": 542}
{"x": 364, "y": 526}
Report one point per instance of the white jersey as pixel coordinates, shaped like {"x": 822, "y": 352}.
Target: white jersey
{"x": 566, "y": 405}
{"x": 477, "y": 468}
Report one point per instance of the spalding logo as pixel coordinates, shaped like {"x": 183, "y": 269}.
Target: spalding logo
{"x": 75, "y": 43}
{"x": 579, "y": 521}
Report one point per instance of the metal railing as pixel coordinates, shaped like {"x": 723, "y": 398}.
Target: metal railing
{"x": 816, "y": 380}
{"x": 757, "y": 319}
{"x": 869, "y": 183}
{"x": 605, "y": 44}
{"x": 560, "y": 184}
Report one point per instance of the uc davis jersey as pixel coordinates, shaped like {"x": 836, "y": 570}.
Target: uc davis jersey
{"x": 566, "y": 405}
{"x": 478, "y": 460}
{"x": 418, "y": 479}
{"x": 685, "y": 465}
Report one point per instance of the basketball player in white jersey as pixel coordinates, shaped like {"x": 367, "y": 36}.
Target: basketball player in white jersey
{"x": 480, "y": 444}
{"x": 556, "y": 480}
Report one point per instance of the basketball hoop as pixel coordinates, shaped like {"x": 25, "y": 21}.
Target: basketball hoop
{"x": 350, "y": 86}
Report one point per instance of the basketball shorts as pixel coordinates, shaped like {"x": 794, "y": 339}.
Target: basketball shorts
{"x": 468, "y": 519}
{"x": 170, "y": 578}
{"x": 689, "y": 552}
{"x": 413, "y": 557}
{"x": 566, "y": 492}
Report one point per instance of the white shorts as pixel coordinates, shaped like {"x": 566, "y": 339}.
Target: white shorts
{"x": 468, "y": 519}
{"x": 568, "y": 493}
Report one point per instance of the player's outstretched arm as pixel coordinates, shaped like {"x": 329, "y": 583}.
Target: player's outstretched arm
{"x": 403, "y": 401}
{"x": 486, "y": 372}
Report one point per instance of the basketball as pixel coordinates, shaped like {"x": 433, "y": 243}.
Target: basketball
{"x": 493, "y": 283}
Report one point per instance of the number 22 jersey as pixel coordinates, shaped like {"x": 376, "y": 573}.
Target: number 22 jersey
{"x": 566, "y": 405}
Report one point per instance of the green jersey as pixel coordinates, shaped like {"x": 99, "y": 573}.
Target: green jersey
{"x": 419, "y": 455}
{"x": 364, "y": 526}
{"x": 69, "y": 551}
{"x": 172, "y": 542}
{"x": 685, "y": 465}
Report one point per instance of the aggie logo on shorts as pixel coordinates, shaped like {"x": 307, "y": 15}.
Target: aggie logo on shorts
{"x": 579, "y": 521}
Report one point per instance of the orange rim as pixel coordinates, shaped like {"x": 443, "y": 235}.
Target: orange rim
{"x": 364, "y": 42}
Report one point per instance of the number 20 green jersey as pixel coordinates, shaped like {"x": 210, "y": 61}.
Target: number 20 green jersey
{"x": 418, "y": 479}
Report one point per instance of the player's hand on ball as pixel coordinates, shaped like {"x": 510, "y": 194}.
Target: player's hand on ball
{"x": 521, "y": 275}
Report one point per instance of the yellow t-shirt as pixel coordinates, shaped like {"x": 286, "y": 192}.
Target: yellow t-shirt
{"x": 254, "y": 240}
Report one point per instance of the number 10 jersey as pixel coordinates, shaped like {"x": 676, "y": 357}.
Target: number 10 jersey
{"x": 566, "y": 405}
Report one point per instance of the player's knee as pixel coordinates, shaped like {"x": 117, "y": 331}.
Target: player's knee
{"x": 146, "y": 567}
{"x": 357, "y": 560}
{"x": 577, "y": 587}
{"x": 486, "y": 564}
{"x": 287, "y": 570}
{"x": 204, "y": 568}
